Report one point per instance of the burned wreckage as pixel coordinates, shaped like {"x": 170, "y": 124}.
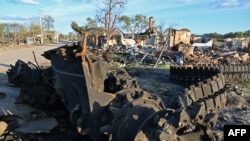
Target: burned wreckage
{"x": 104, "y": 103}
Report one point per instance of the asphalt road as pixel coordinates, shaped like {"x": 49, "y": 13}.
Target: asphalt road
{"x": 8, "y": 57}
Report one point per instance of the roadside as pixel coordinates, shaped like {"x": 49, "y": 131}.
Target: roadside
{"x": 9, "y": 55}
{"x": 3, "y": 50}
{"x": 14, "y": 47}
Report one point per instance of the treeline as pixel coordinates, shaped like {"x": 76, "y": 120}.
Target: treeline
{"x": 238, "y": 34}
{"x": 18, "y": 33}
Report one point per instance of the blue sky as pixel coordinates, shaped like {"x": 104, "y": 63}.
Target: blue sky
{"x": 200, "y": 16}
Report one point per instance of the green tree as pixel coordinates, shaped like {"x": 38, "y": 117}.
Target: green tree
{"x": 135, "y": 24}
{"x": 91, "y": 23}
{"x": 77, "y": 28}
{"x": 228, "y": 35}
{"x": 126, "y": 23}
{"x": 239, "y": 34}
{"x": 71, "y": 36}
{"x": 21, "y": 33}
{"x": 34, "y": 29}
{"x": 213, "y": 35}
{"x": 141, "y": 22}
{"x": 2, "y": 34}
{"x": 95, "y": 31}
{"x": 109, "y": 14}
{"x": 61, "y": 37}
{"x": 247, "y": 34}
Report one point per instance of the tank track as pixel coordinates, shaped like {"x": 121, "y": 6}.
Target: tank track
{"x": 206, "y": 85}
{"x": 235, "y": 72}
{"x": 206, "y": 88}
{"x": 206, "y": 81}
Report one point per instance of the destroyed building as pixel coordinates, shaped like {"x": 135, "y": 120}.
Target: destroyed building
{"x": 237, "y": 43}
{"x": 177, "y": 37}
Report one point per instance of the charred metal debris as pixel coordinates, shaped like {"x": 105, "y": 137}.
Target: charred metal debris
{"x": 82, "y": 92}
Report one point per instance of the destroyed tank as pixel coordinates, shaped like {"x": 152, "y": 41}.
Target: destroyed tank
{"x": 107, "y": 104}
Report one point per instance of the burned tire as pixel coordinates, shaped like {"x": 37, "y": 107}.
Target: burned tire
{"x": 117, "y": 80}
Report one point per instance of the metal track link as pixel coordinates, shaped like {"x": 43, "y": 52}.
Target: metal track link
{"x": 235, "y": 72}
{"x": 206, "y": 84}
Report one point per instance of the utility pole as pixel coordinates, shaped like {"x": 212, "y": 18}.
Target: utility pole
{"x": 41, "y": 26}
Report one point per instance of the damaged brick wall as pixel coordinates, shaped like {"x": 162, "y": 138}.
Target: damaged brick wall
{"x": 179, "y": 36}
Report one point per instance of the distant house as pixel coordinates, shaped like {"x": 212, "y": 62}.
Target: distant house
{"x": 53, "y": 36}
{"x": 228, "y": 39}
{"x": 245, "y": 43}
{"x": 30, "y": 40}
{"x": 202, "y": 42}
{"x": 237, "y": 43}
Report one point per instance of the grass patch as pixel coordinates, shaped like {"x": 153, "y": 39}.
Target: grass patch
{"x": 133, "y": 65}
{"x": 155, "y": 83}
{"x": 136, "y": 65}
{"x": 166, "y": 66}
{"x": 244, "y": 84}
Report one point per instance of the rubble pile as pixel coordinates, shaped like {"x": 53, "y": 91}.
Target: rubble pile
{"x": 80, "y": 90}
